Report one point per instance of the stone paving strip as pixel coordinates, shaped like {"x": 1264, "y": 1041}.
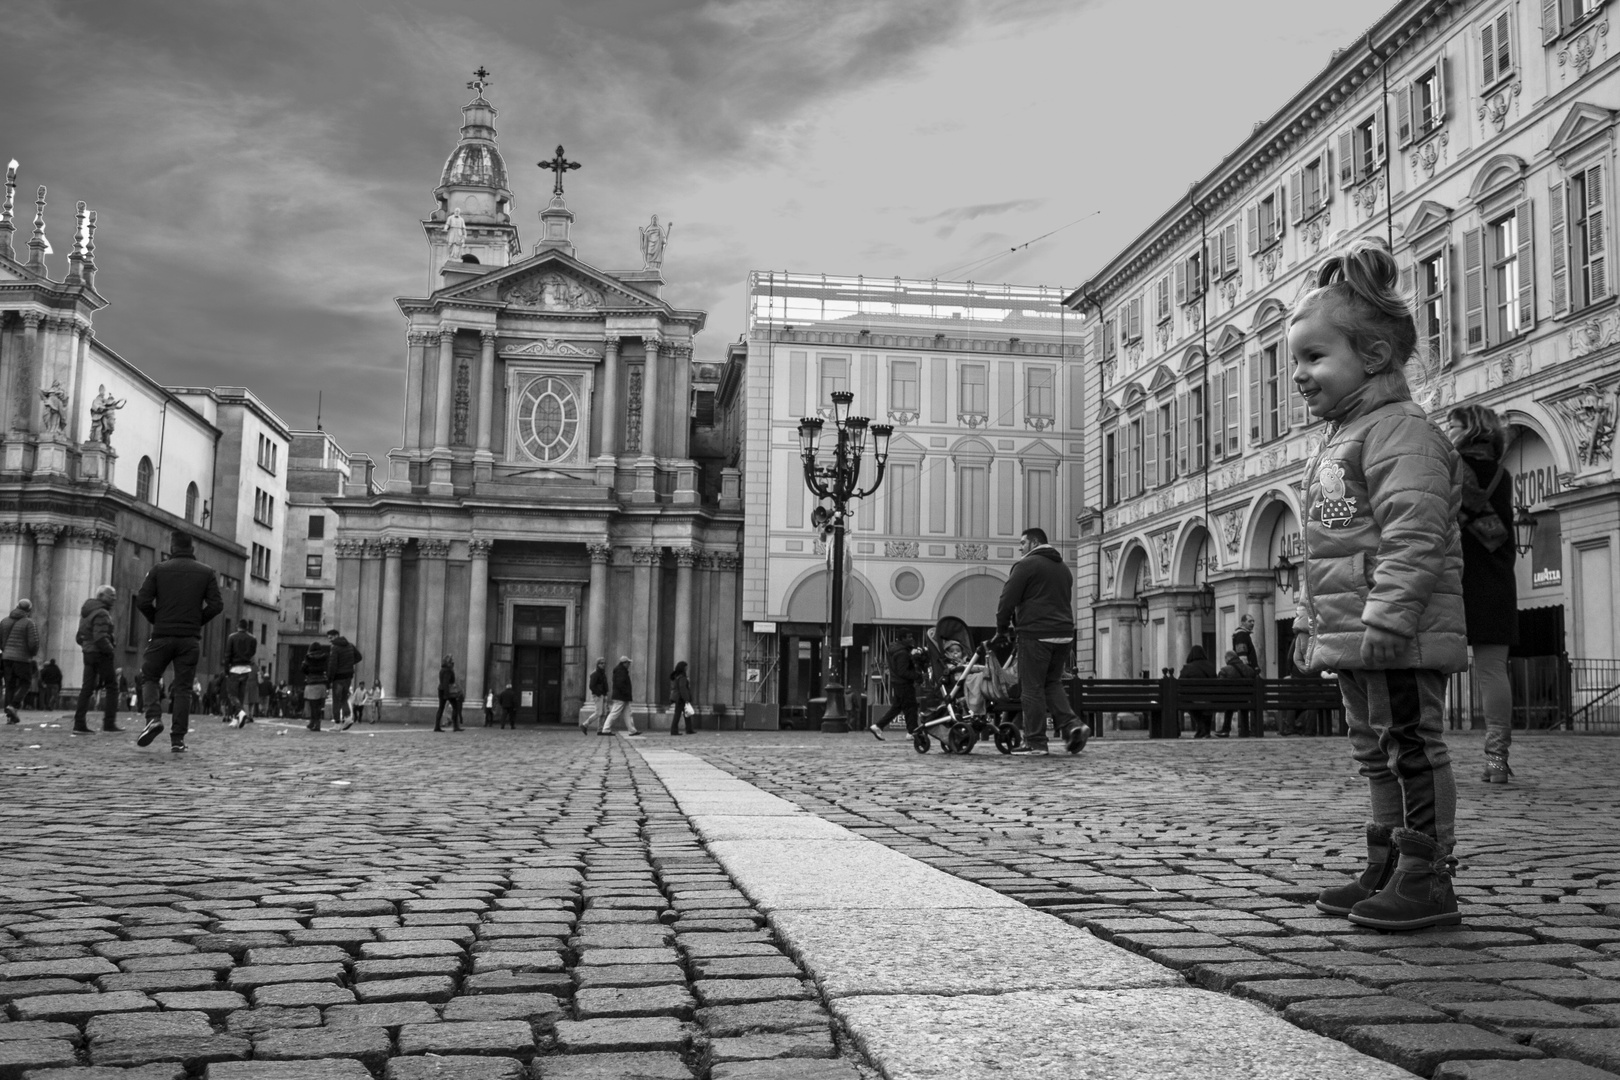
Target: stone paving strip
{"x": 935, "y": 976}
{"x": 494, "y": 924}
{"x": 1203, "y": 858}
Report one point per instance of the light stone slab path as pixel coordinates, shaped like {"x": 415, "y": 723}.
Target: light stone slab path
{"x": 934, "y": 976}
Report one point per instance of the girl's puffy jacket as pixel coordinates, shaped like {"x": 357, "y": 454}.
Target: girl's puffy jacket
{"x": 1382, "y": 542}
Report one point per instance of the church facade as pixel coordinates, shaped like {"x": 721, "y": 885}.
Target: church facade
{"x": 543, "y": 507}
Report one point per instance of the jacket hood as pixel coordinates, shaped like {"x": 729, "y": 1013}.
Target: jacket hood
{"x": 21, "y": 613}
{"x": 90, "y": 606}
{"x": 1047, "y": 552}
{"x": 1387, "y": 386}
{"x": 340, "y": 640}
{"x": 1196, "y": 653}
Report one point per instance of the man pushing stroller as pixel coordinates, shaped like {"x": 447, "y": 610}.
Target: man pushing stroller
{"x": 1038, "y": 602}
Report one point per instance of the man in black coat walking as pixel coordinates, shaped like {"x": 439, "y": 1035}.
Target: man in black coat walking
{"x": 340, "y": 665}
{"x": 240, "y": 648}
{"x": 1038, "y": 601}
{"x": 623, "y": 694}
{"x": 95, "y": 639}
{"x": 903, "y": 678}
{"x": 178, "y": 598}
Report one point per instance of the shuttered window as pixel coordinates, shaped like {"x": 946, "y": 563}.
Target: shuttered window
{"x": 1193, "y": 410}
{"x": 973, "y": 501}
{"x": 1308, "y": 189}
{"x": 1588, "y": 241}
{"x": 1110, "y": 470}
{"x": 1420, "y": 105}
{"x": 1167, "y": 442}
{"x": 904, "y": 493}
{"x": 1150, "y": 448}
{"x": 1229, "y": 249}
{"x": 1110, "y": 339}
{"x": 1265, "y": 221}
{"x": 1133, "y": 486}
{"x": 1433, "y": 314}
{"x": 1162, "y": 308}
{"x": 1232, "y": 412}
{"x": 1040, "y": 500}
{"x": 1361, "y": 150}
{"x": 1498, "y": 279}
{"x": 1496, "y": 49}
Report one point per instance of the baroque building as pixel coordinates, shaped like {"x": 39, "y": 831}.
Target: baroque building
{"x": 544, "y": 507}
{"x": 982, "y": 384}
{"x": 1476, "y": 138}
{"x": 99, "y": 463}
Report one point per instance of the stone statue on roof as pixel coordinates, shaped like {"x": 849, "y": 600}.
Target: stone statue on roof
{"x": 104, "y": 416}
{"x": 653, "y": 240}
{"x": 56, "y": 406}
{"x": 455, "y": 234}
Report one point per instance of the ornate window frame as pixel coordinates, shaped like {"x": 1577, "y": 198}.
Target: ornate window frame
{"x": 581, "y": 378}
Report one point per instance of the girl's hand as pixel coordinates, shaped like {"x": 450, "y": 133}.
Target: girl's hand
{"x": 1380, "y": 648}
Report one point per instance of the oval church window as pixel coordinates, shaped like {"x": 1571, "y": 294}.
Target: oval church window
{"x": 548, "y": 419}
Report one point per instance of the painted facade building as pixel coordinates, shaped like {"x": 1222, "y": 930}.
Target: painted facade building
{"x": 1477, "y": 139}
{"x": 544, "y": 507}
{"x": 982, "y": 384}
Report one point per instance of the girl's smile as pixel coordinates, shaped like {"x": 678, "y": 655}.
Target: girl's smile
{"x": 1326, "y": 368}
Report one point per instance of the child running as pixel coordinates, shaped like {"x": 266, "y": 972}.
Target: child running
{"x": 1382, "y": 604}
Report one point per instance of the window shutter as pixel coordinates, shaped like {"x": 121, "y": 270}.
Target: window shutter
{"x": 1217, "y": 410}
{"x": 1297, "y": 416}
{"x": 1474, "y": 290}
{"x": 1504, "y": 45}
{"x": 1255, "y": 401}
{"x": 1230, "y": 248}
{"x": 1597, "y": 239}
{"x": 1347, "y": 158}
{"x": 1163, "y": 297}
{"x": 1181, "y": 435}
{"x": 1439, "y": 88}
{"x": 1217, "y": 254}
{"x": 1150, "y": 444}
{"x": 1549, "y": 21}
{"x": 1403, "y": 115}
{"x": 1296, "y": 194}
{"x": 1487, "y": 52}
{"x": 1527, "y": 268}
{"x": 1378, "y": 139}
{"x": 1181, "y": 281}
{"x": 1252, "y": 216}
{"x": 1136, "y": 319}
{"x": 1279, "y": 408}
{"x": 1558, "y": 233}
{"x": 1282, "y": 209}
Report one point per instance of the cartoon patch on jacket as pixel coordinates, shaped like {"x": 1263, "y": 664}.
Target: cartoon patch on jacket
{"x": 1336, "y": 507}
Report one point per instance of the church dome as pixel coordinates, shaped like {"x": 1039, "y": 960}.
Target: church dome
{"x": 474, "y": 177}
{"x": 475, "y": 164}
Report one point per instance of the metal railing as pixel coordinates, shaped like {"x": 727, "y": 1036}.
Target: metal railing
{"x": 1549, "y": 692}
{"x": 1594, "y": 687}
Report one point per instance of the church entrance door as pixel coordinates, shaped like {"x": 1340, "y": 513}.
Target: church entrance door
{"x": 537, "y": 662}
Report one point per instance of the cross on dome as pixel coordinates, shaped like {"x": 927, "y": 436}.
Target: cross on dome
{"x": 558, "y": 165}
{"x": 480, "y": 80}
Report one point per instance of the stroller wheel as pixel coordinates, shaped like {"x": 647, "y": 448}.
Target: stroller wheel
{"x": 919, "y": 741}
{"x": 1077, "y": 738}
{"x": 1008, "y": 738}
{"x": 960, "y": 740}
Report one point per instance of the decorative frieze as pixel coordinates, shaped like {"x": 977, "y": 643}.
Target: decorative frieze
{"x": 632, "y": 421}
{"x": 900, "y": 549}
{"x": 1589, "y": 412}
{"x": 973, "y": 552}
{"x": 462, "y": 401}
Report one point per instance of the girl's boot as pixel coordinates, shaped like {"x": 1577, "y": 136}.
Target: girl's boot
{"x": 1419, "y": 892}
{"x": 1496, "y": 769}
{"x": 1381, "y": 857}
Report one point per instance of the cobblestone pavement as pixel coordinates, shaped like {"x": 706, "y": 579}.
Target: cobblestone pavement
{"x": 379, "y": 903}
{"x": 1205, "y": 855}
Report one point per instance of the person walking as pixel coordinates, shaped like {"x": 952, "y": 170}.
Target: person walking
{"x": 178, "y": 598}
{"x": 266, "y": 705}
{"x": 1198, "y": 666}
{"x": 598, "y": 686}
{"x": 509, "y": 705}
{"x": 50, "y": 685}
{"x": 239, "y": 650}
{"x": 489, "y": 706}
{"x": 1490, "y": 588}
{"x": 622, "y": 696}
{"x": 362, "y": 698}
{"x": 19, "y": 641}
{"x": 450, "y": 693}
{"x": 340, "y": 665}
{"x": 376, "y": 702}
{"x": 903, "y": 676}
{"x": 315, "y": 668}
{"x": 1037, "y": 602}
{"x": 680, "y": 696}
{"x": 95, "y": 641}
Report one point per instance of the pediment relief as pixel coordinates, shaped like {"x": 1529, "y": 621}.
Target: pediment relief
{"x": 1430, "y": 215}
{"x": 551, "y": 347}
{"x": 1582, "y": 122}
{"x": 1495, "y": 174}
{"x": 551, "y": 291}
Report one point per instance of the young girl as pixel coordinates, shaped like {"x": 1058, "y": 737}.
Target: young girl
{"x": 1382, "y": 603}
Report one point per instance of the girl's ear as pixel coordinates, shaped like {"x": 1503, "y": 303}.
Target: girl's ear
{"x": 1378, "y": 358}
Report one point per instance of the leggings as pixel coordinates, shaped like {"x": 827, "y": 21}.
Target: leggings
{"x": 1495, "y": 695}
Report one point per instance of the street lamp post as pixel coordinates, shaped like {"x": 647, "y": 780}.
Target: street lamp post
{"x": 840, "y": 482}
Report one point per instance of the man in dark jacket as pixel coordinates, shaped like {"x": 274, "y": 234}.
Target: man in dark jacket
{"x": 622, "y": 696}
{"x": 508, "y": 701}
{"x": 903, "y": 677}
{"x": 240, "y": 648}
{"x": 598, "y": 686}
{"x": 340, "y": 665}
{"x": 316, "y": 662}
{"x": 178, "y": 598}
{"x": 1038, "y": 601}
{"x": 19, "y": 641}
{"x": 1243, "y": 642}
{"x": 95, "y": 639}
{"x": 50, "y": 685}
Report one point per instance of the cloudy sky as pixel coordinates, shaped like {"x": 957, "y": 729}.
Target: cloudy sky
{"x": 260, "y": 167}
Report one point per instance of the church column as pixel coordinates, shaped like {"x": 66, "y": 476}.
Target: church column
{"x": 45, "y": 537}
{"x": 1184, "y": 639}
{"x": 432, "y": 569}
{"x": 439, "y": 484}
{"x": 477, "y": 614}
{"x": 1263, "y": 606}
{"x": 722, "y": 586}
{"x": 346, "y": 617}
{"x": 646, "y": 490}
{"x": 388, "y": 647}
{"x": 415, "y": 368}
{"x": 483, "y": 455}
{"x": 612, "y": 412}
{"x": 597, "y": 615}
{"x": 685, "y": 560}
{"x": 644, "y": 602}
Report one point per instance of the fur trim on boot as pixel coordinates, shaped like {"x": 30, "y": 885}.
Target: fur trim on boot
{"x": 1380, "y": 864}
{"x": 1419, "y": 892}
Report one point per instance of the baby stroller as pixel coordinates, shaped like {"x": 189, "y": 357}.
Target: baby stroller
{"x": 951, "y": 656}
{"x": 1003, "y": 699}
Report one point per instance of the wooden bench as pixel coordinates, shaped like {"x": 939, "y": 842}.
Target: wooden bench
{"x": 1164, "y": 702}
{"x": 1213, "y": 696}
{"x": 1093, "y": 697}
{"x": 1313, "y": 695}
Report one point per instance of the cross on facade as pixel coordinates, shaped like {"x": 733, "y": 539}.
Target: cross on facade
{"x": 558, "y": 165}
{"x": 481, "y": 79}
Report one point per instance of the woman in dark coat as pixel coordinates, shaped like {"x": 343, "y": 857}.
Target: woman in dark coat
{"x": 680, "y": 692}
{"x": 1198, "y": 666}
{"x": 1490, "y": 590}
{"x": 450, "y": 693}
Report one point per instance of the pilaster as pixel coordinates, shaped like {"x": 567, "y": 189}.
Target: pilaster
{"x": 686, "y": 560}
{"x": 388, "y": 633}
{"x": 432, "y": 568}
{"x": 643, "y": 628}
{"x": 439, "y": 477}
{"x": 612, "y": 414}
{"x": 646, "y": 489}
{"x": 346, "y": 610}
{"x": 596, "y": 618}
{"x": 477, "y": 614}
{"x": 46, "y": 535}
{"x": 483, "y": 455}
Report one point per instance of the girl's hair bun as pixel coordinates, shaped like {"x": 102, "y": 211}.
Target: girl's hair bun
{"x": 1369, "y": 272}
{"x": 1366, "y": 283}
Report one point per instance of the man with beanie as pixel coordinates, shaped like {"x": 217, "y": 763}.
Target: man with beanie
{"x": 1038, "y": 601}
{"x": 19, "y": 641}
{"x": 240, "y": 648}
{"x": 340, "y": 665}
{"x": 95, "y": 638}
{"x": 178, "y": 597}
